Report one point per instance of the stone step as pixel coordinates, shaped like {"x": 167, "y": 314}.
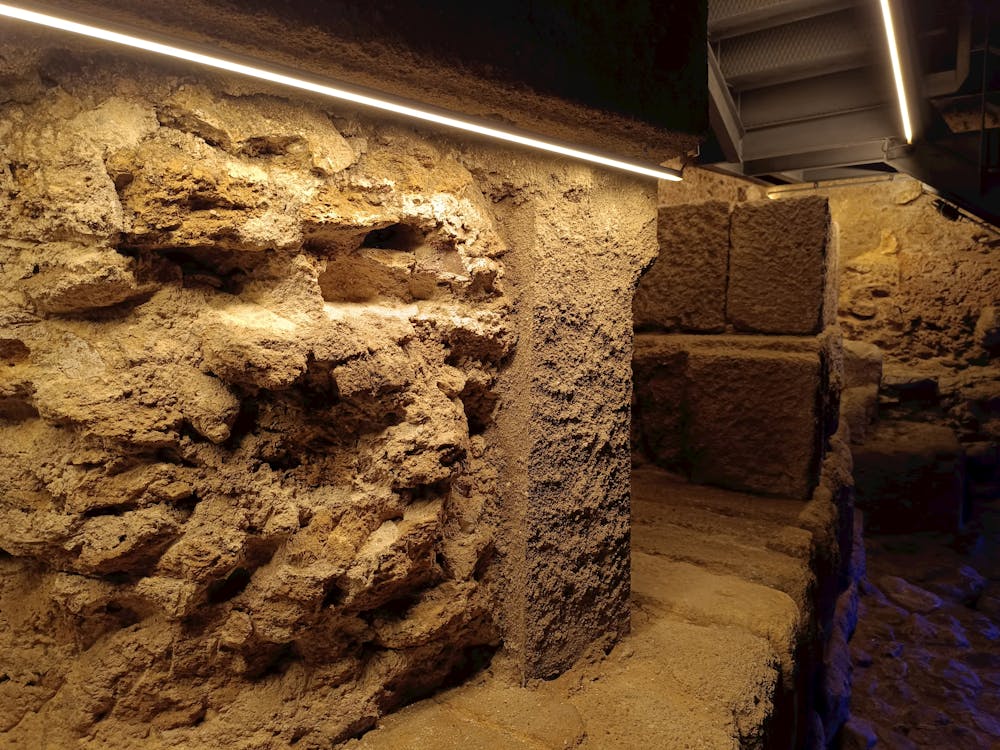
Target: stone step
{"x": 723, "y": 532}
{"x": 720, "y": 602}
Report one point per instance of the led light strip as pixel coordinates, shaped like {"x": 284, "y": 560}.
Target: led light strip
{"x": 407, "y": 110}
{"x": 897, "y": 70}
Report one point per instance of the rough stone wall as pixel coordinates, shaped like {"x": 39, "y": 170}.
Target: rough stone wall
{"x": 259, "y": 387}
{"x": 731, "y": 406}
{"x": 919, "y": 293}
{"x": 584, "y": 238}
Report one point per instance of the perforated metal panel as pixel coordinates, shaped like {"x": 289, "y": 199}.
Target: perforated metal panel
{"x": 719, "y": 10}
{"x": 814, "y": 46}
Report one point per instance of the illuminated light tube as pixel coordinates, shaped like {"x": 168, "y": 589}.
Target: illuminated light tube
{"x": 897, "y": 70}
{"x": 445, "y": 119}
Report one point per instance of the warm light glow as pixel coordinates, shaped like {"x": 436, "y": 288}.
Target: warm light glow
{"x": 408, "y": 110}
{"x": 897, "y": 70}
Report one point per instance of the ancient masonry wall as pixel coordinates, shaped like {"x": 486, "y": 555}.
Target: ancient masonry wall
{"x": 918, "y": 301}
{"x": 738, "y": 371}
{"x": 302, "y": 414}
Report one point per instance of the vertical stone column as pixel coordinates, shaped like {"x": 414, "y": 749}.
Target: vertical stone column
{"x": 579, "y": 240}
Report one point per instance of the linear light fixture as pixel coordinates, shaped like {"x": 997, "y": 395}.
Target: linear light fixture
{"x": 897, "y": 70}
{"x": 367, "y": 99}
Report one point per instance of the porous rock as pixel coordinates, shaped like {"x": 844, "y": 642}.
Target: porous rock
{"x": 780, "y": 280}
{"x": 686, "y": 287}
{"x": 231, "y": 489}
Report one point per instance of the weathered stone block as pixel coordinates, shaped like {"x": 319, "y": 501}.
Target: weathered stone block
{"x": 859, "y": 408}
{"x": 747, "y": 412}
{"x": 910, "y": 476}
{"x": 686, "y": 287}
{"x": 862, "y": 364}
{"x": 781, "y": 265}
{"x": 754, "y": 421}
{"x": 565, "y": 416}
{"x": 659, "y": 418}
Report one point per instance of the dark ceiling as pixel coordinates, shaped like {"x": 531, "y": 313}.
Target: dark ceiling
{"x": 643, "y": 59}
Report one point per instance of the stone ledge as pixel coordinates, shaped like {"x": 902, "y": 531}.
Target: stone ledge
{"x": 744, "y": 412}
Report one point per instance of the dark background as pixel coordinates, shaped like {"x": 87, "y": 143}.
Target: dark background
{"x": 643, "y": 59}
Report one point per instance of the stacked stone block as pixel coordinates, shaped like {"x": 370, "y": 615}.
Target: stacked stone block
{"x": 737, "y": 384}
{"x": 738, "y": 368}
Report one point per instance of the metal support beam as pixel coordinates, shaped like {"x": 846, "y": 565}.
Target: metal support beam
{"x": 835, "y": 131}
{"x": 723, "y": 114}
{"x": 843, "y": 156}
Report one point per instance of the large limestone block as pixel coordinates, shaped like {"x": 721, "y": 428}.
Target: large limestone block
{"x": 754, "y": 420}
{"x": 745, "y": 412}
{"x": 686, "y": 287}
{"x": 910, "y": 476}
{"x": 781, "y": 266}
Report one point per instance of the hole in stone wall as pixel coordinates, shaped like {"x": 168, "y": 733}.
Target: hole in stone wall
{"x": 395, "y": 237}
{"x": 124, "y": 616}
{"x": 470, "y": 662}
{"x": 333, "y": 597}
{"x": 272, "y": 145}
{"x": 395, "y": 609}
{"x": 229, "y": 587}
{"x": 278, "y": 663}
{"x": 244, "y": 424}
{"x": 479, "y": 401}
{"x": 109, "y": 510}
{"x": 283, "y": 461}
{"x": 218, "y": 269}
{"x": 484, "y": 563}
{"x": 422, "y": 492}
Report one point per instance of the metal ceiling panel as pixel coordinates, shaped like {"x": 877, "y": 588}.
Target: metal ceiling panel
{"x": 729, "y": 18}
{"x": 812, "y": 98}
{"x": 815, "y": 46}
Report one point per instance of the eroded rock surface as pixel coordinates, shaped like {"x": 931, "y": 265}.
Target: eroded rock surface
{"x": 249, "y": 356}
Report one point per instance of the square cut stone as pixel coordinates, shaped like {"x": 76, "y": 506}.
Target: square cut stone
{"x": 686, "y": 287}
{"x": 754, "y": 422}
{"x": 782, "y": 266}
{"x": 745, "y": 412}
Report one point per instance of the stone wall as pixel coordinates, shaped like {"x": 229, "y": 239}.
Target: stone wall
{"x": 739, "y": 368}
{"x": 285, "y": 396}
{"x": 750, "y": 405}
{"x": 919, "y": 294}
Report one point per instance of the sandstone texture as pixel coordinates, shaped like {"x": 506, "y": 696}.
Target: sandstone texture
{"x": 924, "y": 290}
{"x": 702, "y": 185}
{"x": 686, "y": 287}
{"x": 254, "y": 360}
{"x": 580, "y": 248}
{"x": 917, "y": 304}
{"x": 782, "y": 266}
{"x": 724, "y": 618}
{"x": 745, "y": 412}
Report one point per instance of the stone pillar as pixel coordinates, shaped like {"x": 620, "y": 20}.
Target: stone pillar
{"x": 577, "y": 248}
